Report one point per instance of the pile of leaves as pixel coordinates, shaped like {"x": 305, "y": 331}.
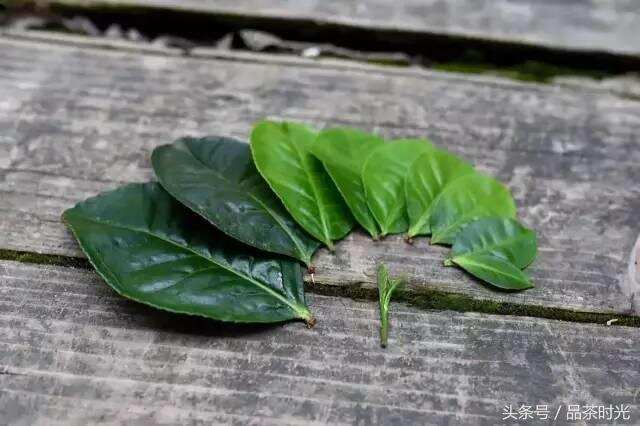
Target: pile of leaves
{"x": 225, "y": 231}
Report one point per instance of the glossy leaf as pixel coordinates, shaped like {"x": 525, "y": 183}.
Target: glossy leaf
{"x": 496, "y": 271}
{"x": 281, "y": 152}
{"x": 466, "y": 199}
{"x": 495, "y": 249}
{"x": 383, "y": 177}
{"x": 427, "y": 177}
{"x": 152, "y": 249}
{"x": 216, "y": 178}
{"x": 342, "y": 152}
{"x": 496, "y": 236}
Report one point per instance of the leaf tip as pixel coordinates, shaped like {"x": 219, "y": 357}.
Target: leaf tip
{"x": 448, "y": 262}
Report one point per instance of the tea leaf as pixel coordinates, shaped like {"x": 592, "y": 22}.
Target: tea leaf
{"x": 216, "y": 177}
{"x": 465, "y": 199}
{"x": 427, "y": 177}
{"x": 383, "y": 177}
{"x": 495, "y": 249}
{"x": 501, "y": 237}
{"x": 152, "y": 249}
{"x": 386, "y": 287}
{"x": 495, "y": 270}
{"x": 342, "y": 152}
{"x": 281, "y": 152}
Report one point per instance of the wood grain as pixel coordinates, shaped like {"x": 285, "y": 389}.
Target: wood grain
{"x": 589, "y": 25}
{"x": 73, "y": 352}
{"x": 77, "y": 120}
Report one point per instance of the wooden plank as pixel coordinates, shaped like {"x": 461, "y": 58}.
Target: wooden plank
{"x": 79, "y": 120}
{"x": 609, "y": 26}
{"x": 72, "y": 351}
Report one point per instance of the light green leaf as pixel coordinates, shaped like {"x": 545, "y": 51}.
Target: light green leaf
{"x": 216, "y": 177}
{"x": 427, "y": 177}
{"x": 494, "y": 249}
{"x": 465, "y": 199}
{"x": 494, "y": 270}
{"x": 383, "y": 177}
{"x": 496, "y": 236}
{"x": 386, "y": 287}
{"x": 343, "y": 151}
{"x": 152, "y": 249}
{"x": 281, "y": 152}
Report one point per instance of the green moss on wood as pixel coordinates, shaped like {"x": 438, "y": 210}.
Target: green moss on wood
{"x": 429, "y": 299}
{"x": 44, "y": 259}
{"x": 423, "y": 299}
{"x": 530, "y": 71}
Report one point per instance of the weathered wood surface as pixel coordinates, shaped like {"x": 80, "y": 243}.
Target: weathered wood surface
{"x": 73, "y": 352}
{"x": 610, "y": 25}
{"x": 627, "y": 85}
{"x": 78, "y": 120}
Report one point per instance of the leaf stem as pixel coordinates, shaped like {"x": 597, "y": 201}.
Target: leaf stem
{"x": 383, "y": 281}
{"x": 311, "y": 322}
{"x": 384, "y": 328}
{"x": 307, "y": 316}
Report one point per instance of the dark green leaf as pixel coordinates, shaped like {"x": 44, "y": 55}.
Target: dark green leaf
{"x": 152, "y": 249}
{"x": 343, "y": 151}
{"x": 427, "y": 177}
{"x": 216, "y": 178}
{"x": 281, "y": 152}
{"x": 465, "y": 199}
{"x": 383, "y": 177}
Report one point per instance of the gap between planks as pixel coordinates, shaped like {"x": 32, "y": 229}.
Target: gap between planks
{"x": 426, "y": 300}
{"x": 54, "y": 38}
